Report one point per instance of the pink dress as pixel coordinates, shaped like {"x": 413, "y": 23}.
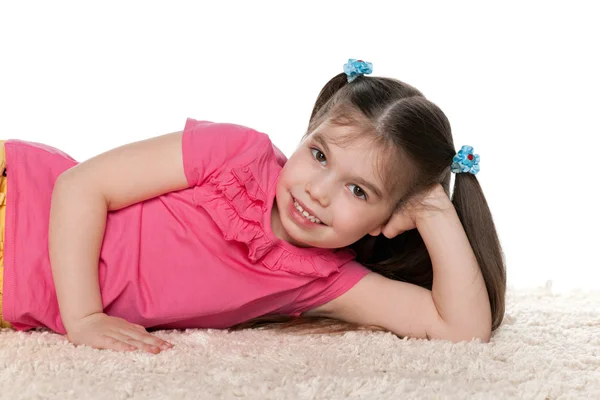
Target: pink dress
{"x": 202, "y": 257}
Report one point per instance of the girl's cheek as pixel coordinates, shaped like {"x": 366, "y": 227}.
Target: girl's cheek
{"x": 344, "y": 210}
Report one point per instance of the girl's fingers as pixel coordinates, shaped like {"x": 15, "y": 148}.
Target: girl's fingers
{"x": 140, "y": 327}
{"x": 147, "y": 338}
{"x": 133, "y": 343}
{"x": 112, "y": 343}
{"x": 144, "y": 346}
{"x": 141, "y": 340}
{"x": 151, "y": 339}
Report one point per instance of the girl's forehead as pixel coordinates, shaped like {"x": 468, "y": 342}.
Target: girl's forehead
{"x": 342, "y": 134}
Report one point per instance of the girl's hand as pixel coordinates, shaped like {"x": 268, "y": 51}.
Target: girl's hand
{"x": 422, "y": 206}
{"x": 105, "y": 332}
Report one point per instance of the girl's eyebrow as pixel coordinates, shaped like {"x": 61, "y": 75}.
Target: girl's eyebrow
{"x": 318, "y": 137}
{"x": 373, "y": 188}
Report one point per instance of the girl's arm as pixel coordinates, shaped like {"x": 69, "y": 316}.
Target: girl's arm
{"x": 457, "y": 308}
{"x": 77, "y": 223}
{"x": 81, "y": 198}
{"x": 458, "y": 289}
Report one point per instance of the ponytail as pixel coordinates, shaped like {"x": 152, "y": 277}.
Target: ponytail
{"x": 331, "y": 88}
{"x": 476, "y": 219}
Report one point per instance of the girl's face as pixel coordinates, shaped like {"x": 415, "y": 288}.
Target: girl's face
{"x": 337, "y": 185}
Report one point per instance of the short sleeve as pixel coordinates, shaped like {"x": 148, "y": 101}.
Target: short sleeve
{"x": 323, "y": 290}
{"x": 209, "y": 146}
{"x": 279, "y": 156}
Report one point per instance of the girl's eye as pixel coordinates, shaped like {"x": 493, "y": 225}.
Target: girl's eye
{"x": 358, "y": 192}
{"x": 318, "y": 155}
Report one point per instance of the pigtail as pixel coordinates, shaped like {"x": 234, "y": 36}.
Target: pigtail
{"x": 477, "y": 221}
{"x": 326, "y": 101}
{"x": 330, "y": 88}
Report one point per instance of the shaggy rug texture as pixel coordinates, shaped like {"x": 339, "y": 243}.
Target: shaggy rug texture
{"x": 547, "y": 348}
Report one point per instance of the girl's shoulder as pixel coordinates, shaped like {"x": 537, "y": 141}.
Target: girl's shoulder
{"x": 212, "y": 147}
{"x": 225, "y": 134}
{"x": 237, "y": 141}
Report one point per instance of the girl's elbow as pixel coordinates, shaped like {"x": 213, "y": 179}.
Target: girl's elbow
{"x": 482, "y": 336}
{"x": 486, "y": 336}
{"x": 468, "y": 331}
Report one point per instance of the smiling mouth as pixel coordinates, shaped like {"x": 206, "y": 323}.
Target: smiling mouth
{"x": 306, "y": 214}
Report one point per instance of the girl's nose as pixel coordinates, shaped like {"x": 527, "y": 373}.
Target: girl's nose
{"x": 318, "y": 192}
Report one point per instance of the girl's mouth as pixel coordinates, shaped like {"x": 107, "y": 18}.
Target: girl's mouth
{"x": 301, "y": 216}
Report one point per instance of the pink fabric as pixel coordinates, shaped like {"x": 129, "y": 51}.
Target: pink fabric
{"x": 202, "y": 257}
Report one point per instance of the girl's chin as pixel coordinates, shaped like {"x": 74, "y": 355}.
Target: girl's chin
{"x": 298, "y": 242}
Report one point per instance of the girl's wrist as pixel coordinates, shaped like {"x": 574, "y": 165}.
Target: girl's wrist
{"x": 436, "y": 213}
{"x": 436, "y": 204}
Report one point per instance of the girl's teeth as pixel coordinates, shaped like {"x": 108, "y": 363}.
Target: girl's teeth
{"x": 306, "y": 215}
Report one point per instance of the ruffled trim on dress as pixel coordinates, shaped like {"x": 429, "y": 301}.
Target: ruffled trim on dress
{"x": 237, "y": 204}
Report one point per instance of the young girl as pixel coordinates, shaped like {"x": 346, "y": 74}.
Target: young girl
{"x": 212, "y": 227}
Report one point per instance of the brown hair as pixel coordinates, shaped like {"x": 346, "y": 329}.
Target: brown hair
{"x": 399, "y": 114}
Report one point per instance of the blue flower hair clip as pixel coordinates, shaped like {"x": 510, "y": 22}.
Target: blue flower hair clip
{"x": 354, "y": 68}
{"x": 465, "y": 161}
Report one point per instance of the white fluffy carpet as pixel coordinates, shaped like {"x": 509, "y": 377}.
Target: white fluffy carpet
{"x": 547, "y": 348}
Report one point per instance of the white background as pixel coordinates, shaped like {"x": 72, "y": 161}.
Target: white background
{"x": 518, "y": 81}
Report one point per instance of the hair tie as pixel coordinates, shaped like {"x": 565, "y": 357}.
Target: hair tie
{"x": 465, "y": 161}
{"x": 354, "y": 68}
